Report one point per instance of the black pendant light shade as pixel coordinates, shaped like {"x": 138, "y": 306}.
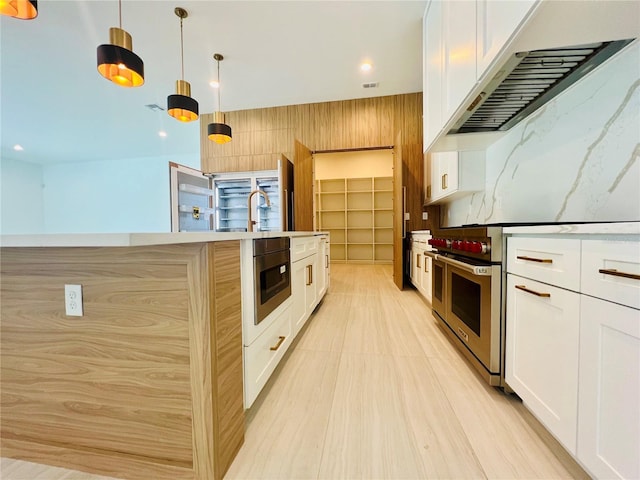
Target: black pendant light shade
{"x": 180, "y": 105}
{"x": 116, "y": 60}
{"x": 218, "y": 131}
{"x": 22, "y": 9}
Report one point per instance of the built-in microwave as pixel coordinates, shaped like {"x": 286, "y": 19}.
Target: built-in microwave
{"x": 272, "y": 275}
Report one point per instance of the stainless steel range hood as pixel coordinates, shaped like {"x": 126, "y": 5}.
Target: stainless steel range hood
{"x": 527, "y": 80}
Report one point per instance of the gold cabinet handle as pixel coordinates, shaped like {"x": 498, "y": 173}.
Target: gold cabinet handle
{"x": 425, "y": 266}
{"x": 533, "y": 259}
{"x": 444, "y": 181}
{"x": 309, "y": 274}
{"x": 533, "y": 292}
{"x": 418, "y": 260}
{"x": 616, "y": 273}
{"x": 277, "y": 345}
{"x": 326, "y": 261}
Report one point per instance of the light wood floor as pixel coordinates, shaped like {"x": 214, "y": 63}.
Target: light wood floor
{"x": 374, "y": 390}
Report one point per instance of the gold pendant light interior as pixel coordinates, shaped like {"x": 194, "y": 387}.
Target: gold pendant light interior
{"x": 180, "y": 105}
{"x": 218, "y": 131}
{"x": 116, "y": 60}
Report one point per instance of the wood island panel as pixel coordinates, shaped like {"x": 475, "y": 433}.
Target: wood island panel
{"x": 130, "y": 389}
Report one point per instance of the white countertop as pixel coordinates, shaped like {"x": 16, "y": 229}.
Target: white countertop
{"x": 135, "y": 239}
{"x": 615, "y": 228}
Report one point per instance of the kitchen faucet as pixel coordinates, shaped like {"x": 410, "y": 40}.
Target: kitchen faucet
{"x": 251, "y": 222}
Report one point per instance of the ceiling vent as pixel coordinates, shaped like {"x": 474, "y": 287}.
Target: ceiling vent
{"x": 155, "y": 107}
{"x": 370, "y": 85}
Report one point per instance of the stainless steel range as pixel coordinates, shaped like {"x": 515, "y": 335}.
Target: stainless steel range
{"x": 467, "y": 294}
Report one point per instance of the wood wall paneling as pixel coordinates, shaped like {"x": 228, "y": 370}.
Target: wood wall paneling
{"x": 303, "y": 185}
{"x": 398, "y": 214}
{"x": 345, "y": 124}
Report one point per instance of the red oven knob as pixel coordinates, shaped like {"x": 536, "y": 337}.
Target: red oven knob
{"x": 432, "y": 241}
{"x": 478, "y": 247}
{"x": 466, "y": 245}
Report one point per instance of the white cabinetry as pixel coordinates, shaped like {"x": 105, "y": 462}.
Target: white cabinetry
{"x": 497, "y": 21}
{"x": 573, "y": 343}
{"x": 420, "y": 263}
{"x": 459, "y": 53}
{"x": 542, "y": 353}
{"x": 304, "y": 274}
{"x": 432, "y": 72}
{"x": 454, "y": 174}
{"x": 461, "y": 40}
{"x": 266, "y": 343}
{"x": 324, "y": 251}
{"x": 609, "y": 395}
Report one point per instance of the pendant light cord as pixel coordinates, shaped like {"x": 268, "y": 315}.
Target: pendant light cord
{"x": 120, "y": 12}
{"x": 219, "y": 87}
{"x": 181, "y": 50}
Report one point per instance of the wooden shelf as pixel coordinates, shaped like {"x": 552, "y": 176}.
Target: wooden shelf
{"x": 358, "y": 213}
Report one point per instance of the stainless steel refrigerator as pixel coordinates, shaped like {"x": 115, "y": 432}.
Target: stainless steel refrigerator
{"x": 219, "y": 202}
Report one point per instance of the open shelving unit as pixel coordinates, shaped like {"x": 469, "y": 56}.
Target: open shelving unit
{"x": 358, "y": 213}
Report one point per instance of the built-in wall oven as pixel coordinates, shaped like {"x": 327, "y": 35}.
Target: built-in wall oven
{"x": 467, "y": 296}
{"x": 272, "y": 274}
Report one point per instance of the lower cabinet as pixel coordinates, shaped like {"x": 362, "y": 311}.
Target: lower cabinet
{"x": 262, "y": 357}
{"x": 542, "y": 353}
{"x": 303, "y": 289}
{"x": 309, "y": 282}
{"x": 572, "y": 350}
{"x": 609, "y": 400}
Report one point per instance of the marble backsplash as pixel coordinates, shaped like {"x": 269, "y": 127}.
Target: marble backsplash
{"x": 576, "y": 159}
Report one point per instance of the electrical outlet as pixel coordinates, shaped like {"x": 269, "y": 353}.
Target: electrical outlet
{"x": 425, "y": 215}
{"x": 73, "y": 300}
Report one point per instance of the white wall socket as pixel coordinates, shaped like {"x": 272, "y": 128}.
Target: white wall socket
{"x": 73, "y": 300}
{"x": 425, "y": 215}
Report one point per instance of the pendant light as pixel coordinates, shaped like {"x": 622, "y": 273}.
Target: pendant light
{"x": 116, "y": 60}
{"x": 22, "y": 9}
{"x": 181, "y": 106}
{"x": 218, "y": 131}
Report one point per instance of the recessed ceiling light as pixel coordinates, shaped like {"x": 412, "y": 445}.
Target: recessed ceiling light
{"x": 365, "y": 67}
{"x": 162, "y": 133}
{"x": 214, "y": 84}
{"x": 18, "y": 148}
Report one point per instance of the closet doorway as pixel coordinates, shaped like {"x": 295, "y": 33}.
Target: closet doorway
{"x": 354, "y": 203}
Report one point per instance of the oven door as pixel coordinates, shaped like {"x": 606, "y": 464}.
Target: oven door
{"x": 438, "y": 284}
{"x": 472, "y": 308}
{"x": 272, "y": 282}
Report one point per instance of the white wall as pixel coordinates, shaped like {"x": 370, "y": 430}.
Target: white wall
{"x": 89, "y": 197}
{"x": 576, "y": 159}
{"x": 110, "y": 196}
{"x": 21, "y": 197}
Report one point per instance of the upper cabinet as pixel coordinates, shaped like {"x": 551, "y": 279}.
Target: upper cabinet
{"x": 496, "y": 21}
{"x": 459, "y": 62}
{"x": 461, "y": 40}
{"x": 454, "y": 174}
{"x": 432, "y": 74}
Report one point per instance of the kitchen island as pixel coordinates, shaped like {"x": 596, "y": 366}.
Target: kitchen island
{"x": 148, "y": 382}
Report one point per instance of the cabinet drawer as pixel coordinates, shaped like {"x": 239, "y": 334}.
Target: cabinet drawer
{"x": 263, "y": 355}
{"x": 611, "y": 270}
{"x": 555, "y": 261}
{"x": 302, "y": 247}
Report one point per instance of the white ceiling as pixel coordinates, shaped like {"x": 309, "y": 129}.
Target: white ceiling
{"x": 57, "y": 106}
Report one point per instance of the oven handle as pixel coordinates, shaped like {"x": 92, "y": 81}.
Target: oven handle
{"x": 480, "y": 271}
